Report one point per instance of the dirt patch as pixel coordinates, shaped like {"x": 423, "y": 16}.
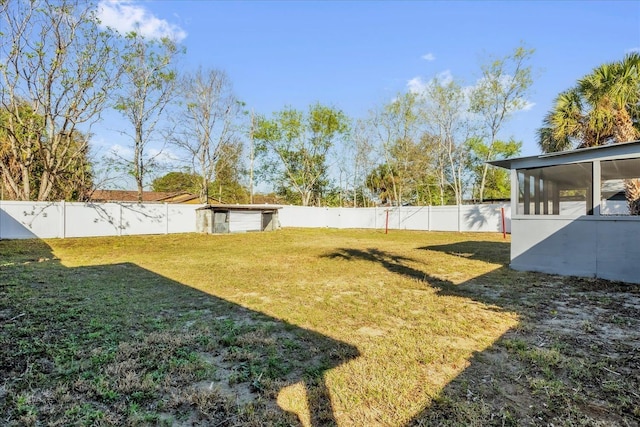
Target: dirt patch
{"x": 573, "y": 359}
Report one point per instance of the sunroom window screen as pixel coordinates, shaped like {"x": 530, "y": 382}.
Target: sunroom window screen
{"x": 556, "y": 190}
{"x": 620, "y": 187}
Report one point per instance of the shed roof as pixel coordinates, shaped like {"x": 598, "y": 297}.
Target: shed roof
{"x": 266, "y": 207}
{"x": 604, "y": 152}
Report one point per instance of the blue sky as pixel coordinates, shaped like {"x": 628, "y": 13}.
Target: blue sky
{"x": 357, "y": 55}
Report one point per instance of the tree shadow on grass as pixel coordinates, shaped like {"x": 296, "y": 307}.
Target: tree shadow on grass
{"x": 492, "y": 252}
{"x": 571, "y": 359}
{"x": 391, "y": 262}
{"x": 119, "y": 344}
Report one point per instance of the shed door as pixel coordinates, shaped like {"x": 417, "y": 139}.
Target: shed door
{"x": 245, "y": 221}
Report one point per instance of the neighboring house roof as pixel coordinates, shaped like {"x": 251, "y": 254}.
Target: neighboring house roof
{"x": 265, "y": 199}
{"x": 147, "y": 196}
{"x": 603, "y": 152}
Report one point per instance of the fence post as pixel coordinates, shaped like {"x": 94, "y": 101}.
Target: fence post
{"x": 429, "y": 218}
{"x": 459, "y": 219}
{"x": 166, "y": 216}
{"x": 120, "y": 220}
{"x": 386, "y": 222}
{"x": 63, "y": 219}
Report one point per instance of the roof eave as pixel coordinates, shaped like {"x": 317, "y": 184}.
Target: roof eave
{"x": 578, "y": 154}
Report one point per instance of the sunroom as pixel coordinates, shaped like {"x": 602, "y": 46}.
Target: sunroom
{"x": 577, "y": 212}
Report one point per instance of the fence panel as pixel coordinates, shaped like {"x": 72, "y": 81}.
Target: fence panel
{"x": 444, "y": 218}
{"x": 27, "y": 220}
{"x": 480, "y": 218}
{"x": 182, "y": 218}
{"x": 333, "y": 217}
{"x": 143, "y": 219}
{"x": 89, "y": 219}
{"x": 358, "y": 218}
{"x": 302, "y": 216}
{"x": 415, "y": 218}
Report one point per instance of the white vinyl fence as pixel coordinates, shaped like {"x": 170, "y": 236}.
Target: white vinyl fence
{"x": 428, "y": 218}
{"x": 24, "y": 220}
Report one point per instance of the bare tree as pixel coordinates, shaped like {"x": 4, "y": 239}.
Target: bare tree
{"x": 397, "y": 129}
{"x": 207, "y": 123}
{"x": 147, "y": 89}
{"x": 445, "y": 110}
{"x": 362, "y": 158}
{"x": 499, "y": 93}
{"x": 57, "y": 61}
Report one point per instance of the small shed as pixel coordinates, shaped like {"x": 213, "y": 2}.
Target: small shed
{"x": 237, "y": 218}
{"x": 577, "y": 212}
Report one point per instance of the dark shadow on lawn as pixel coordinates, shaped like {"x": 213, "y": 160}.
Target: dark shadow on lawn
{"x": 393, "y": 263}
{"x": 493, "y": 252}
{"x": 119, "y": 344}
{"x": 572, "y": 360}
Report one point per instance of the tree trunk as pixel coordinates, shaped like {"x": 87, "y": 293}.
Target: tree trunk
{"x": 624, "y": 130}
{"x": 632, "y": 193}
{"x": 46, "y": 184}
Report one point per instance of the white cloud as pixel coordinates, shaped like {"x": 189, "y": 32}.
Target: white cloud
{"x": 429, "y": 57}
{"x": 528, "y": 105}
{"x": 118, "y": 150}
{"x": 164, "y": 157}
{"x": 417, "y": 85}
{"x": 125, "y": 16}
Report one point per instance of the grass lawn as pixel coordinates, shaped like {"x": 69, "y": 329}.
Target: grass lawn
{"x": 308, "y": 327}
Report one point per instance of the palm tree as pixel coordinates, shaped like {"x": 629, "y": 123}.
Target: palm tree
{"x": 566, "y": 125}
{"x": 614, "y": 92}
{"x": 603, "y": 108}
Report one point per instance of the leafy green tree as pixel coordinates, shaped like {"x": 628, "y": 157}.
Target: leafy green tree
{"x": 496, "y": 181}
{"x": 406, "y": 152}
{"x": 21, "y": 152}
{"x": 57, "y": 71}
{"x": 500, "y": 93}
{"x": 380, "y": 182}
{"x": 148, "y": 85}
{"x": 76, "y": 181}
{"x": 293, "y": 149}
{"x": 228, "y": 173}
{"x": 175, "y": 182}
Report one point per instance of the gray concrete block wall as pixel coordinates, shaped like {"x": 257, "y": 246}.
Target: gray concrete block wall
{"x": 587, "y": 247}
